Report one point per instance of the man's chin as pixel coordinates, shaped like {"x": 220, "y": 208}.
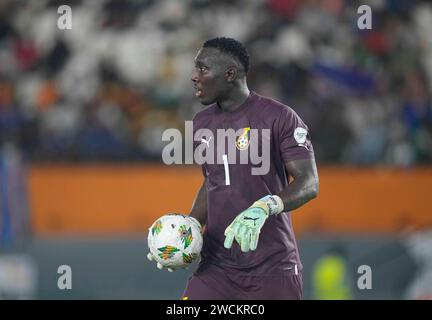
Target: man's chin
{"x": 206, "y": 102}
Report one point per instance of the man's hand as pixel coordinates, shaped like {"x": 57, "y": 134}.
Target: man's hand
{"x": 246, "y": 227}
{"x": 159, "y": 266}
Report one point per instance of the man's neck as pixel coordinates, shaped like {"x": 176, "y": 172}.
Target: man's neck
{"x": 235, "y": 99}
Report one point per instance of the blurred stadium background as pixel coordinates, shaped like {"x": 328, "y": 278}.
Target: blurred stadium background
{"x": 82, "y": 112}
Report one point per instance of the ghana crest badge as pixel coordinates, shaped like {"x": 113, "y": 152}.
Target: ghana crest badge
{"x": 242, "y": 142}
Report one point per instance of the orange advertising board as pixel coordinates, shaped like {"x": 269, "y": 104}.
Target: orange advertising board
{"x": 107, "y": 200}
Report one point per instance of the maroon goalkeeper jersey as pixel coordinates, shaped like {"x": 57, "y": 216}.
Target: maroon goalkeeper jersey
{"x": 232, "y": 187}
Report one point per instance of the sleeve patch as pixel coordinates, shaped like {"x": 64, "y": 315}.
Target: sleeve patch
{"x": 300, "y": 135}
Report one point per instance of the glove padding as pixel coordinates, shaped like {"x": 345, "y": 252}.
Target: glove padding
{"x": 246, "y": 227}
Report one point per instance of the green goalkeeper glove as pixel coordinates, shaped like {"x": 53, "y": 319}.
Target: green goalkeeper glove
{"x": 246, "y": 227}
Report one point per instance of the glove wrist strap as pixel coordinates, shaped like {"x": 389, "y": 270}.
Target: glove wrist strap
{"x": 271, "y": 204}
{"x": 275, "y": 204}
{"x": 263, "y": 205}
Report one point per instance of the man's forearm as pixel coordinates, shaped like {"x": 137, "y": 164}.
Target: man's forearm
{"x": 298, "y": 193}
{"x": 304, "y": 185}
{"x": 199, "y": 206}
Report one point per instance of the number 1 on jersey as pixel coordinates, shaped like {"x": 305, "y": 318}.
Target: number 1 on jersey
{"x": 227, "y": 176}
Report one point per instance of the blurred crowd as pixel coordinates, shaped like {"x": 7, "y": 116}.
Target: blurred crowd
{"x": 107, "y": 88}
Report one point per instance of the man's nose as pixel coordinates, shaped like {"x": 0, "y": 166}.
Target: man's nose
{"x": 194, "y": 76}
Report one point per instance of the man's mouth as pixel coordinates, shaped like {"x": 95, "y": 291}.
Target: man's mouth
{"x": 198, "y": 92}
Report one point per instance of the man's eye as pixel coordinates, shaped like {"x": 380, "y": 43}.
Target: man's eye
{"x": 202, "y": 69}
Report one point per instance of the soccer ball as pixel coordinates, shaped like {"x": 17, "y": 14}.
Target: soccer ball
{"x": 175, "y": 240}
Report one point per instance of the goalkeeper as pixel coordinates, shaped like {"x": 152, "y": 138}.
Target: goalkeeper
{"x": 249, "y": 249}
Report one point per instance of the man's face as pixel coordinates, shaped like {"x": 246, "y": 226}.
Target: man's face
{"x": 210, "y": 77}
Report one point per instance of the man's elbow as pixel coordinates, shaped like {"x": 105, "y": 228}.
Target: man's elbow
{"x": 314, "y": 190}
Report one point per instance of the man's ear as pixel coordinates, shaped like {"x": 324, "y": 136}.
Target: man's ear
{"x": 231, "y": 74}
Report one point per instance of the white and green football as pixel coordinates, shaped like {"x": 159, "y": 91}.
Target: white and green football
{"x": 175, "y": 240}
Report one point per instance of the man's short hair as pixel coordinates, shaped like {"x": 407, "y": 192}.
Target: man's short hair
{"x": 232, "y": 47}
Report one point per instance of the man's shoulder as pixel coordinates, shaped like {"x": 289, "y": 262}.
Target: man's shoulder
{"x": 266, "y": 106}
